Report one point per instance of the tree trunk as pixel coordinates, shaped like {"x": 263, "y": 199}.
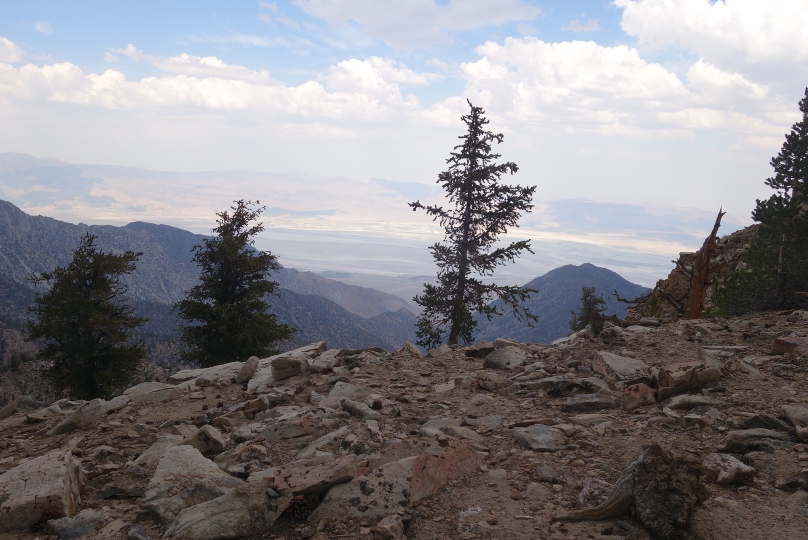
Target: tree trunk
{"x": 781, "y": 274}
{"x": 701, "y": 273}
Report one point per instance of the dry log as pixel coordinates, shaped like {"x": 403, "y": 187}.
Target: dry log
{"x": 662, "y": 489}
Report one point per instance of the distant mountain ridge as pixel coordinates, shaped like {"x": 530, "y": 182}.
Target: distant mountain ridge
{"x": 345, "y": 315}
{"x": 560, "y": 292}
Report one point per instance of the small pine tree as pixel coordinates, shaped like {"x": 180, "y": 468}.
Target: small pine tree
{"x": 590, "y": 304}
{"x": 83, "y": 323}
{"x": 483, "y": 210}
{"x": 778, "y": 256}
{"x": 226, "y": 314}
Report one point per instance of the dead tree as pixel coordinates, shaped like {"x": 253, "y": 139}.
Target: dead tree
{"x": 701, "y": 273}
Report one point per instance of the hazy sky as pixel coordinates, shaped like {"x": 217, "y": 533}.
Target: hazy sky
{"x": 676, "y": 103}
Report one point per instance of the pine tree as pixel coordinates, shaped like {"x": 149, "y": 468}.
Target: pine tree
{"x": 483, "y": 210}
{"x": 590, "y": 304}
{"x": 778, "y": 256}
{"x": 226, "y": 314}
{"x": 83, "y": 323}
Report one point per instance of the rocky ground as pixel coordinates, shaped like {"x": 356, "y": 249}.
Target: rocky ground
{"x": 489, "y": 442}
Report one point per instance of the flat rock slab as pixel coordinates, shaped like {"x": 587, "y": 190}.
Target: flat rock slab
{"x": 540, "y": 438}
{"x": 739, "y": 441}
{"x": 184, "y": 478}
{"x": 317, "y": 475}
{"x": 619, "y": 368}
{"x": 590, "y": 402}
{"x": 790, "y": 344}
{"x": 239, "y": 512}
{"x": 686, "y": 401}
{"x": 223, "y": 372}
{"x": 506, "y": 358}
{"x": 22, "y": 403}
{"x": 350, "y": 391}
{"x": 678, "y": 378}
{"x": 394, "y": 486}
{"x": 151, "y": 392}
{"x": 53, "y": 481}
{"x": 86, "y": 415}
{"x": 291, "y": 426}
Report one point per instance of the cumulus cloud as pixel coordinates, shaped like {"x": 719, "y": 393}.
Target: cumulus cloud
{"x": 575, "y": 25}
{"x": 749, "y": 36}
{"x": 377, "y": 77}
{"x": 409, "y": 24}
{"x": 10, "y": 52}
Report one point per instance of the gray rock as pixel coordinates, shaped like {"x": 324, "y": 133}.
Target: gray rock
{"x": 49, "y": 482}
{"x": 247, "y": 370}
{"x": 328, "y": 438}
{"x": 590, "y": 402}
{"x": 389, "y": 528}
{"x": 325, "y": 362}
{"x": 462, "y": 432}
{"x": 233, "y": 515}
{"x": 440, "y": 351}
{"x": 796, "y": 414}
{"x": 151, "y": 457}
{"x": 740, "y": 441}
{"x": 86, "y": 415}
{"x": 82, "y": 524}
{"x": 725, "y": 469}
{"x": 619, "y": 368}
{"x": 207, "y": 440}
{"x": 360, "y": 410}
{"x": 687, "y": 401}
{"x": 223, "y": 372}
{"x": 137, "y": 532}
{"x": 291, "y": 425}
{"x": 394, "y": 486}
{"x": 350, "y": 391}
{"x": 506, "y": 358}
{"x": 411, "y": 350}
{"x": 184, "y": 478}
{"x": 151, "y": 392}
{"x": 288, "y": 365}
{"x": 481, "y": 349}
{"x": 540, "y": 438}
{"x": 480, "y": 399}
{"x": 22, "y": 403}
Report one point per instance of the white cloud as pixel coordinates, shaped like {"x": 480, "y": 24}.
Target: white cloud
{"x": 272, "y": 6}
{"x": 526, "y": 29}
{"x": 377, "y": 77}
{"x": 10, "y": 52}
{"x": 768, "y": 39}
{"x": 196, "y": 66}
{"x": 418, "y": 23}
{"x": 109, "y": 57}
{"x": 577, "y": 26}
{"x": 43, "y": 28}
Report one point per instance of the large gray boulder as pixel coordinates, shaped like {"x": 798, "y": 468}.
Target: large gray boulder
{"x": 619, "y": 368}
{"x": 53, "y": 481}
{"x": 184, "y": 478}
{"x": 151, "y": 392}
{"x": 248, "y": 370}
{"x": 86, "y": 415}
{"x": 507, "y": 357}
{"x": 207, "y": 440}
{"x": 22, "y": 403}
{"x": 540, "y": 438}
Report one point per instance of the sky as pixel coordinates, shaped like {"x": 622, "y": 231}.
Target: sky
{"x": 613, "y": 110}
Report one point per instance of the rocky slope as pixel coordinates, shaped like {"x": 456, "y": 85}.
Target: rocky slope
{"x": 492, "y": 441}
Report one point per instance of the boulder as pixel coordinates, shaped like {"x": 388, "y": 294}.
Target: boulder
{"x": 350, "y": 391}
{"x": 410, "y": 349}
{"x": 289, "y": 365}
{"x": 291, "y": 425}
{"x": 739, "y": 441}
{"x": 151, "y": 457}
{"x": 481, "y": 349}
{"x": 796, "y": 414}
{"x": 506, "y": 358}
{"x": 86, "y": 415}
{"x": 82, "y": 524}
{"x": 328, "y": 438}
{"x": 223, "y": 372}
{"x": 241, "y": 511}
{"x": 440, "y": 351}
{"x": 702, "y": 416}
{"x": 360, "y": 410}
{"x": 637, "y": 395}
{"x": 184, "y": 478}
{"x": 619, "y": 368}
{"x": 317, "y": 475}
{"x": 247, "y": 370}
{"x": 53, "y": 481}
{"x": 207, "y": 440}
{"x": 679, "y": 378}
{"x": 22, "y": 403}
{"x": 790, "y": 344}
{"x": 151, "y": 392}
{"x": 540, "y": 438}
{"x": 725, "y": 469}
{"x": 325, "y": 361}
{"x": 394, "y": 486}
{"x": 687, "y": 401}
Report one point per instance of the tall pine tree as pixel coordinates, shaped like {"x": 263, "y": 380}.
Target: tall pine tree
{"x": 226, "y": 313}
{"x": 778, "y": 256}
{"x": 83, "y": 323}
{"x": 483, "y": 210}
